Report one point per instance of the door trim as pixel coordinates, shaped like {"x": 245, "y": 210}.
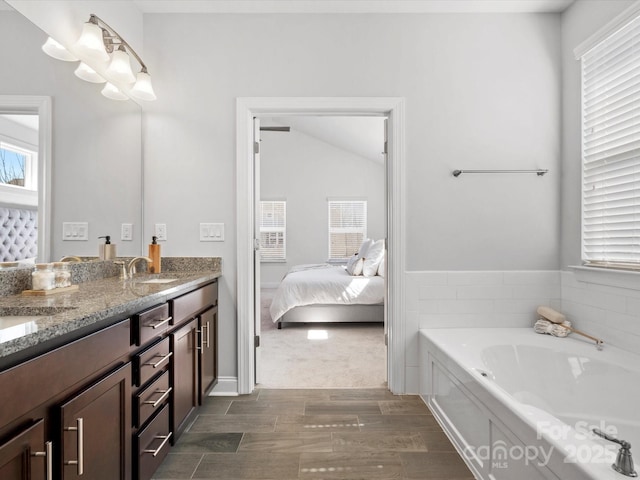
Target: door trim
{"x": 249, "y": 107}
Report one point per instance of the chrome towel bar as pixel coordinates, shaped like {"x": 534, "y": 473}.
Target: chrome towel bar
{"x": 539, "y": 172}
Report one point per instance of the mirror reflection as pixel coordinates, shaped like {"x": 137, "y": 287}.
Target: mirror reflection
{"x": 95, "y": 147}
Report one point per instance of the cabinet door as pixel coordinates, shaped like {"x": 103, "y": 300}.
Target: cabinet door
{"x": 26, "y": 456}
{"x": 184, "y": 376}
{"x": 96, "y": 429}
{"x": 208, "y": 358}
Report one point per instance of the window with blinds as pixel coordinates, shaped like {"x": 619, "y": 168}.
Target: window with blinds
{"x": 611, "y": 149}
{"x": 273, "y": 230}
{"x": 347, "y": 227}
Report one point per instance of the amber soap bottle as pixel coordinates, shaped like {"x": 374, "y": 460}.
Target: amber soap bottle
{"x": 154, "y": 255}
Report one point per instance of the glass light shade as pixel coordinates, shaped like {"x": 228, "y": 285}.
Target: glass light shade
{"x": 56, "y": 50}
{"x": 120, "y": 67}
{"x": 113, "y": 92}
{"x": 142, "y": 90}
{"x": 91, "y": 43}
{"x": 88, "y": 74}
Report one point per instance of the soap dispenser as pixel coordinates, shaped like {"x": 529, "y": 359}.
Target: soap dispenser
{"x": 154, "y": 255}
{"x": 107, "y": 250}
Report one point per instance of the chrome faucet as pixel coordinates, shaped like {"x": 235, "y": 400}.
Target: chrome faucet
{"x": 624, "y": 461}
{"x": 70, "y": 258}
{"x": 132, "y": 265}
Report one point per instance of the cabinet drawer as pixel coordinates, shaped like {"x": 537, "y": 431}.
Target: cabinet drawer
{"x": 153, "y": 444}
{"x": 152, "y": 398}
{"x": 150, "y": 324}
{"x": 149, "y": 362}
{"x": 194, "y": 302}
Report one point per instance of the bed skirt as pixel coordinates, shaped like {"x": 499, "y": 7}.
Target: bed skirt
{"x": 333, "y": 314}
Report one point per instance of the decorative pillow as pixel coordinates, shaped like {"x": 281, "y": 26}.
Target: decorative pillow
{"x": 364, "y": 246}
{"x": 372, "y": 259}
{"x": 382, "y": 268}
{"x": 354, "y": 265}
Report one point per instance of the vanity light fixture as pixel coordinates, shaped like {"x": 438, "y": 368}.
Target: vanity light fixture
{"x": 98, "y": 44}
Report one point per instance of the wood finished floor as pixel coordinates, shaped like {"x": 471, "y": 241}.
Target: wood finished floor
{"x": 314, "y": 434}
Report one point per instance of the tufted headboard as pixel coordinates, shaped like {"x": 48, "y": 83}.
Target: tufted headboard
{"x": 18, "y": 234}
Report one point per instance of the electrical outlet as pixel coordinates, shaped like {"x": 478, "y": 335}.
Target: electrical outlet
{"x": 212, "y": 232}
{"x": 161, "y": 231}
{"x": 75, "y": 231}
{"x": 127, "y": 231}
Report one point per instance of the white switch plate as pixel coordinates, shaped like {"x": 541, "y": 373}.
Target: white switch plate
{"x": 212, "y": 232}
{"x": 75, "y": 231}
{"x": 127, "y": 231}
{"x": 161, "y": 231}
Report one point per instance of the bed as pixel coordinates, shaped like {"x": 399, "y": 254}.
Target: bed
{"x": 327, "y": 293}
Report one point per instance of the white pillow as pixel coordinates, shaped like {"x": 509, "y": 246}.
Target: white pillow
{"x": 372, "y": 258}
{"x": 364, "y": 246}
{"x": 382, "y": 268}
{"x": 354, "y": 265}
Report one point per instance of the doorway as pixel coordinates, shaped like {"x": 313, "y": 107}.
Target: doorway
{"x": 321, "y": 193}
{"x": 247, "y": 110}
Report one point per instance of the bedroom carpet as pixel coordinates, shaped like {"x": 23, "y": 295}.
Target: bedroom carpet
{"x": 351, "y": 356}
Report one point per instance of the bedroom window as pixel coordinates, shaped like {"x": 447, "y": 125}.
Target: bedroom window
{"x": 611, "y": 149}
{"x": 273, "y": 230}
{"x": 347, "y": 227}
{"x": 18, "y": 175}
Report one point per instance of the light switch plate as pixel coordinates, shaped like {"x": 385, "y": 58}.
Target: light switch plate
{"x": 75, "y": 231}
{"x": 127, "y": 232}
{"x": 161, "y": 231}
{"x": 212, "y": 232}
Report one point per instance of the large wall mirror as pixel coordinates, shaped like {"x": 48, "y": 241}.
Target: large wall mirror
{"x": 95, "y": 146}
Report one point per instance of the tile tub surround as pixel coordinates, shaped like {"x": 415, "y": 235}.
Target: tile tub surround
{"x": 314, "y": 433}
{"x": 94, "y": 305}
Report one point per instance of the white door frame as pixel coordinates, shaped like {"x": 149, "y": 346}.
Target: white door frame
{"x": 246, "y": 109}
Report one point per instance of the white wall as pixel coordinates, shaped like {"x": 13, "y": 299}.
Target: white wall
{"x": 482, "y": 91}
{"x": 305, "y": 171}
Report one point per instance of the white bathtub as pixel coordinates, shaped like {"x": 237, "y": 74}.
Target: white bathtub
{"x": 521, "y": 406}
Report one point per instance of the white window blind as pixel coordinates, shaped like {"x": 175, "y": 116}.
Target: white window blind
{"x": 347, "y": 227}
{"x": 611, "y": 149}
{"x": 273, "y": 230}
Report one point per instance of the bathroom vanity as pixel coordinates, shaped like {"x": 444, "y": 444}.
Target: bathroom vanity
{"x": 104, "y": 382}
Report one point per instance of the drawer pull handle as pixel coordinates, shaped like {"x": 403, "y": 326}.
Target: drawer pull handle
{"x": 80, "y": 429}
{"x": 205, "y": 343}
{"x": 48, "y": 454}
{"x": 164, "y": 442}
{"x": 159, "y": 362}
{"x": 165, "y": 394}
{"x": 159, "y": 323}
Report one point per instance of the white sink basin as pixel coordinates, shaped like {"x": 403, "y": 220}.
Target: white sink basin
{"x": 159, "y": 280}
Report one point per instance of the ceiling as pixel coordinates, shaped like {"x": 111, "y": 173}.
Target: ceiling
{"x": 352, "y": 6}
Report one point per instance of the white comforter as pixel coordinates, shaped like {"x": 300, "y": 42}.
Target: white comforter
{"x": 326, "y": 285}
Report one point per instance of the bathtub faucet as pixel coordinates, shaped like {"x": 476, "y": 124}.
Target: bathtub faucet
{"x": 624, "y": 462}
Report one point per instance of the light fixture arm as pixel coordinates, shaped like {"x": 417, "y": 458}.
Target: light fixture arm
{"x": 109, "y": 34}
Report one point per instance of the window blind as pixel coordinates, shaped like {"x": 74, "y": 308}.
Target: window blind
{"x": 347, "y": 227}
{"x": 273, "y": 225}
{"x": 611, "y": 149}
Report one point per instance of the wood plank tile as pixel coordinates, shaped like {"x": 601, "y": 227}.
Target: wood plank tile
{"x": 398, "y": 422}
{"x": 378, "y": 442}
{"x": 208, "y": 443}
{"x": 437, "y": 441}
{"x": 350, "y": 466}
{"x": 286, "y": 442}
{"x": 253, "y": 465}
{"x": 267, "y": 407}
{"x": 306, "y": 394}
{"x": 362, "y": 407}
{"x": 178, "y": 466}
{"x": 233, "y": 423}
{"x": 322, "y": 423}
{"x": 402, "y": 407}
{"x": 368, "y": 394}
{"x": 218, "y": 407}
{"x": 434, "y": 465}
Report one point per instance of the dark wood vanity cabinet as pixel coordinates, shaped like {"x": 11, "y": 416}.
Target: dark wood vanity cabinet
{"x": 109, "y": 405}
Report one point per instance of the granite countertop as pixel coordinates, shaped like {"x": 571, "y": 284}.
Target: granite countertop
{"x": 28, "y": 322}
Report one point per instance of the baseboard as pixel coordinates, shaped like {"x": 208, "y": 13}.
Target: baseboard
{"x": 226, "y": 387}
